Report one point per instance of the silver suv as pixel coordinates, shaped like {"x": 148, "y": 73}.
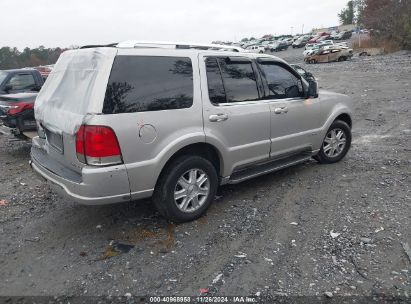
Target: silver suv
{"x": 175, "y": 121}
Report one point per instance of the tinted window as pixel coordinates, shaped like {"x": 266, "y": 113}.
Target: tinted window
{"x": 281, "y": 82}
{"x": 239, "y": 80}
{"x": 22, "y": 82}
{"x": 216, "y": 90}
{"x": 145, "y": 83}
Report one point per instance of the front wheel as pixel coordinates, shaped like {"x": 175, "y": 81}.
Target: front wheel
{"x": 336, "y": 143}
{"x": 186, "y": 188}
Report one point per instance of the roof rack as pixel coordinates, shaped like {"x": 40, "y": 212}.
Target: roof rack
{"x": 178, "y": 45}
{"x": 98, "y": 45}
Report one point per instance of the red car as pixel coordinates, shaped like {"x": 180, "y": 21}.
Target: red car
{"x": 17, "y": 114}
{"x": 318, "y": 36}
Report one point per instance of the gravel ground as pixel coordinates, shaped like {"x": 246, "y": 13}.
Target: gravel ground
{"x": 310, "y": 230}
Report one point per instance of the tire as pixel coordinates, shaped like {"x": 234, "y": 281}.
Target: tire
{"x": 342, "y": 58}
{"x": 169, "y": 184}
{"x": 325, "y": 156}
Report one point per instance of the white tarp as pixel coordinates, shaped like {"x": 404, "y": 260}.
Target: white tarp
{"x": 75, "y": 88}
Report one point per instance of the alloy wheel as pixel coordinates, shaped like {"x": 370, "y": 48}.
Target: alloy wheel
{"x": 191, "y": 190}
{"x": 334, "y": 143}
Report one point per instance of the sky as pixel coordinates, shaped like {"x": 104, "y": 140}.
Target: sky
{"x": 63, "y": 23}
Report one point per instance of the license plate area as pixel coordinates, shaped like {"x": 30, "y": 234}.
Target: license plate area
{"x": 55, "y": 140}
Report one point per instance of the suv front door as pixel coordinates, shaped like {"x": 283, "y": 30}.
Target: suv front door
{"x": 236, "y": 120}
{"x": 294, "y": 119}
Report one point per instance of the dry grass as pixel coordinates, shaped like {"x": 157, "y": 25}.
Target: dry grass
{"x": 389, "y": 46}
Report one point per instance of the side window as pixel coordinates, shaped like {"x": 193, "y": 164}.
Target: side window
{"x": 216, "y": 90}
{"x": 149, "y": 83}
{"x": 240, "y": 82}
{"x": 281, "y": 82}
{"x": 22, "y": 82}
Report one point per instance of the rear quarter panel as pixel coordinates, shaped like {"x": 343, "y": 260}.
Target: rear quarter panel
{"x": 168, "y": 131}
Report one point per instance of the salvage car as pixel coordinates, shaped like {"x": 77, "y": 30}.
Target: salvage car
{"x": 344, "y": 35}
{"x": 301, "y": 42}
{"x": 329, "y": 55}
{"x": 278, "y": 46}
{"x": 20, "y": 80}
{"x": 17, "y": 114}
{"x": 175, "y": 122}
{"x": 259, "y": 49}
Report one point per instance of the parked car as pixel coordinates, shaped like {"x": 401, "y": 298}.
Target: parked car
{"x": 316, "y": 47}
{"x": 17, "y": 114}
{"x": 318, "y": 36}
{"x": 174, "y": 124}
{"x": 344, "y": 35}
{"x": 329, "y": 55}
{"x": 20, "y": 80}
{"x": 255, "y": 49}
{"x": 301, "y": 42}
{"x": 278, "y": 46}
{"x": 333, "y": 34}
{"x": 287, "y": 41}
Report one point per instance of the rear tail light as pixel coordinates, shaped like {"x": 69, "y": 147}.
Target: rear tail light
{"x": 98, "y": 146}
{"x": 16, "y": 108}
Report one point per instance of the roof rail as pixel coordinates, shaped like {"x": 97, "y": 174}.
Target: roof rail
{"x": 98, "y": 45}
{"x": 178, "y": 45}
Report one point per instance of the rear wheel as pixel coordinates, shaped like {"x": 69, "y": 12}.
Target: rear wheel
{"x": 336, "y": 143}
{"x": 186, "y": 188}
{"x": 342, "y": 58}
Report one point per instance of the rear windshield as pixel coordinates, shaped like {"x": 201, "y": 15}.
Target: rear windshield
{"x": 149, "y": 83}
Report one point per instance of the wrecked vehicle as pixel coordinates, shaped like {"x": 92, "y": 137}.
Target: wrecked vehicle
{"x": 20, "y": 80}
{"x": 17, "y": 115}
{"x": 173, "y": 123}
{"x": 278, "y": 46}
{"x": 329, "y": 55}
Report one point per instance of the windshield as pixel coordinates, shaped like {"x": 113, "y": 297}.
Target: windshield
{"x": 3, "y": 76}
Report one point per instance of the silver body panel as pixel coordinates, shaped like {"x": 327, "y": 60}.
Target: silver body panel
{"x": 247, "y": 133}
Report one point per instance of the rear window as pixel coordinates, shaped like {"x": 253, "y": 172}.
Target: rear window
{"x": 149, "y": 83}
{"x": 231, "y": 80}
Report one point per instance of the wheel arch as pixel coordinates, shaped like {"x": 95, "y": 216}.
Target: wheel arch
{"x": 345, "y": 117}
{"x": 203, "y": 149}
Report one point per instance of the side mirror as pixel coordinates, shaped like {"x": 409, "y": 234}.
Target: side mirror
{"x": 8, "y": 88}
{"x": 310, "y": 88}
{"x": 313, "y": 89}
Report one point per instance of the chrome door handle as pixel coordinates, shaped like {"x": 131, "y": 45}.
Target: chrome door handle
{"x": 281, "y": 110}
{"x": 218, "y": 117}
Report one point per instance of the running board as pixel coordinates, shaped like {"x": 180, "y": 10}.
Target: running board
{"x": 268, "y": 167}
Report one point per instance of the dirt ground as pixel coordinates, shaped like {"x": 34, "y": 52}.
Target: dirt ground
{"x": 310, "y": 230}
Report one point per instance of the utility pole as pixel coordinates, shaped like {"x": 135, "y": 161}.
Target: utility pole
{"x": 302, "y": 29}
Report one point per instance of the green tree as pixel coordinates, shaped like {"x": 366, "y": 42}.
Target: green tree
{"x": 347, "y": 14}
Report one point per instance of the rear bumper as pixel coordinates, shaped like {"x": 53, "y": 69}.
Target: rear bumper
{"x": 97, "y": 186}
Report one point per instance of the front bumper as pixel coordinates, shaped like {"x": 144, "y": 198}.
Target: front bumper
{"x": 97, "y": 186}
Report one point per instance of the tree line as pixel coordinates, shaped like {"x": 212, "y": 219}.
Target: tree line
{"x": 12, "y": 58}
{"x": 388, "y": 20}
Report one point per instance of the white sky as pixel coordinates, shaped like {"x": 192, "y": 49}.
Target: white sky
{"x": 78, "y": 22}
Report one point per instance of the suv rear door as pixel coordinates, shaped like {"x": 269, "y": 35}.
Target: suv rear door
{"x": 236, "y": 120}
{"x": 294, "y": 119}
